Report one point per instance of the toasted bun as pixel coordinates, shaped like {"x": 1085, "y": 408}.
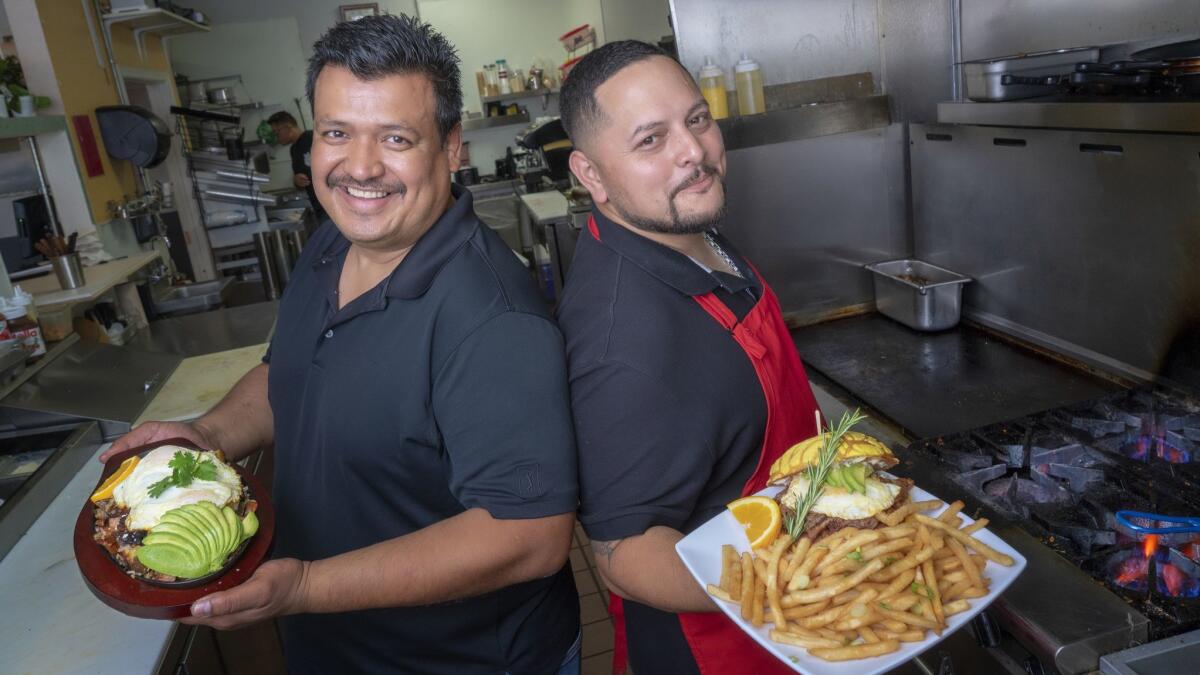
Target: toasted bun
{"x": 855, "y": 447}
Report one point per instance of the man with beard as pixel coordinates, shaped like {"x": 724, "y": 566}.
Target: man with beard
{"x": 416, "y": 395}
{"x": 685, "y": 384}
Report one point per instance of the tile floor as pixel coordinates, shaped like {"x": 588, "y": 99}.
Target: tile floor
{"x": 593, "y": 608}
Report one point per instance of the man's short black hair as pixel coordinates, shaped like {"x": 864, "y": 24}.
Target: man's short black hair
{"x": 577, "y": 101}
{"x": 374, "y": 47}
{"x": 282, "y": 117}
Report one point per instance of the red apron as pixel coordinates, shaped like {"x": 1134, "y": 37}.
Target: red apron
{"x": 718, "y": 645}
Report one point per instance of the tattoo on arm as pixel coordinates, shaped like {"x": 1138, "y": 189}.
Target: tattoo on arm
{"x": 606, "y": 549}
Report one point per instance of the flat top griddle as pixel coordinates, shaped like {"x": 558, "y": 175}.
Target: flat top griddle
{"x": 933, "y": 384}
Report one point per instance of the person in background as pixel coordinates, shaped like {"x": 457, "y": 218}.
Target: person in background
{"x": 416, "y": 394}
{"x": 288, "y": 132}
{"x": 685, "y": 383}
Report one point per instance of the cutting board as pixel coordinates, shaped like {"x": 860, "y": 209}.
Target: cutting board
{"x": 200, "y": 382}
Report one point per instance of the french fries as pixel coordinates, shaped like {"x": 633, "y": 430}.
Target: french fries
{"x": 857, "y": 594}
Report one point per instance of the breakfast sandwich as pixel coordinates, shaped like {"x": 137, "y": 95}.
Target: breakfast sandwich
{"x": 854, "y": 492}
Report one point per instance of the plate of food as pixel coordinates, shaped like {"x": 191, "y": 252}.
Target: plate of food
{"x": 168, "y": 524}
{"x": 838, "y": 567}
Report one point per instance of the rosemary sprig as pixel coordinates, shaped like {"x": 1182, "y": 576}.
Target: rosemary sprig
{"x": 818, "y": 474}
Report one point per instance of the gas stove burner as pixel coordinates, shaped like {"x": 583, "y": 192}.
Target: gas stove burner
{"x": 1155, "y": 571}
{"x": 1148, "y": 448}
{"x": 1085, "y": 538}
{"x": 1096, "y": 427}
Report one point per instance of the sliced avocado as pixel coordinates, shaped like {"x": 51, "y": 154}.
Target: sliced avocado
{"x": 214, "y": 515}
{"x": 174, "y": 527}
{"x": 186, "y": 542}
{"x": 199, "y": 525}
{"x": 861, "y": 471}
{"x": 172, "y": 560}
{"x": 212, "y": 529}
{"x": 249, "y": 525}
{"x": 178, "y": 520}
{"x": 234, "y": 524}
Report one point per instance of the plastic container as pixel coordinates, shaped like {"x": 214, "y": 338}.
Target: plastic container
{"x": 26, "y": 331}
{"x": 20, "y": 297}
{"x": 565, "y": 69}
{"x": 712, "y": 87}
{"x": 56, "y": 323}
{"x": 748, "y": 78}
{"x": 577, "y": 38}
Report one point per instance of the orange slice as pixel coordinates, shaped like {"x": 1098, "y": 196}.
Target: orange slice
{"x": 760, "y": 517}
{"x": 106, "y": 488}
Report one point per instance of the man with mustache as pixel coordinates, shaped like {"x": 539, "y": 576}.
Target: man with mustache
{"x": 416, "y": 395}
{"x": 685, "y": 383}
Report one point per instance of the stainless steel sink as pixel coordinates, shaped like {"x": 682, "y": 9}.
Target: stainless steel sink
{"x": 196, "y": 297}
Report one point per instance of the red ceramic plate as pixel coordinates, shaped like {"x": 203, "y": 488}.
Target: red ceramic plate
{"x": 129, "y": 596}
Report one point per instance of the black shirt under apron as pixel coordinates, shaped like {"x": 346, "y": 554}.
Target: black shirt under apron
{"x": 669, "y": 413}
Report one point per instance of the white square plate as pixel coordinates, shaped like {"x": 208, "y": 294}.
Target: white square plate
{"x": 701, "y": 552}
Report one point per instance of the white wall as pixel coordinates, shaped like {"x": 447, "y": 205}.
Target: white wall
{"x": 313, "y": 17}
{"x": 644, "y": 20}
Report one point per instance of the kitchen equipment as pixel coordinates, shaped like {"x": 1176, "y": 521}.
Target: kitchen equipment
{"x": 197, "y": 92}
{"x": 135, "y": 134}
{"x": 467, "y": 175}
{"x": 984, "y": 77}
{"x": 1178, "y": 524}
{"x": 747, "y": 77}
{"x": 222, "y": 96}
{"x": 119, "y": 6}
{"x": 264, "y": 250}
{"x": 69, "y": 270}
{"x": 1058, "y": 481}
{"x": 917, "y": 294}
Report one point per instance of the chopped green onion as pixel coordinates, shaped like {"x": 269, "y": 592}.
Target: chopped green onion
{"x": 855, "y": 555}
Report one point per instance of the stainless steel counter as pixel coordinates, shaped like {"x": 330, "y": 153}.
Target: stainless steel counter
{"x": 1162, "y": 116}
{"x": 210, "y": 332}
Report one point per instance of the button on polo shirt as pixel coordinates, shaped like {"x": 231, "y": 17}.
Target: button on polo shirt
{"x": 444, "y": 390}
{"x": 669, "y": 413}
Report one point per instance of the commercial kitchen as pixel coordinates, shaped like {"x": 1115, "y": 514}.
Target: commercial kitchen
{"x": 982, "y": 220}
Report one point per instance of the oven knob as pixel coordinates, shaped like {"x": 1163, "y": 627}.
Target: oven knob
{"x": 1033, "y": 666}
{"x": 986, "y": 630}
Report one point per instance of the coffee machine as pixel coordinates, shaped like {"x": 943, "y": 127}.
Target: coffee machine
{"x": 547, "y": 149}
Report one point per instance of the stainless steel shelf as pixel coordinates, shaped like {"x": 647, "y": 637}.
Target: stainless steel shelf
{"x": 478, "y": 123}
{"x": 154, "y": 21}
{"x": 1162, "y": 117}
{"x": 817, "y": 119}
{"x": 528, "y": 93}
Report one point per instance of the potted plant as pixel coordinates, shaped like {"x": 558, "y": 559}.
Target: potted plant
{"x": 12, "y": 86}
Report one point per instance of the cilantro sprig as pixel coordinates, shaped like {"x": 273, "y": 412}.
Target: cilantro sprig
{"x": 818, "y": 474}
{"x": 185, "y": 468}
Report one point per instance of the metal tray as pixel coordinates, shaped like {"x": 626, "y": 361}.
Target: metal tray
{"x": 919, "y": 295}
{"x": 984, "y": 77}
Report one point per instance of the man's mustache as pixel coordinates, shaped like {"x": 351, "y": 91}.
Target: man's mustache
{"x": 702, "y": 172}
{"x": 337, "y": 180}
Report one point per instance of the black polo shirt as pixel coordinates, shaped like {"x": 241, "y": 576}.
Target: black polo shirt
{"x": 669, "y": 413}
{"x": 441, "y": 389}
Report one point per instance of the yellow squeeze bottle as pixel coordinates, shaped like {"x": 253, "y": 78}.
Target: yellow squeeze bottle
{"x": 712, "y": 87}
{"x": 748, "y": 78}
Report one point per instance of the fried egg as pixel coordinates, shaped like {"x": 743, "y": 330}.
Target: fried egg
{"x": 145, "y": 511}
{"x": 838, "y": 502}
